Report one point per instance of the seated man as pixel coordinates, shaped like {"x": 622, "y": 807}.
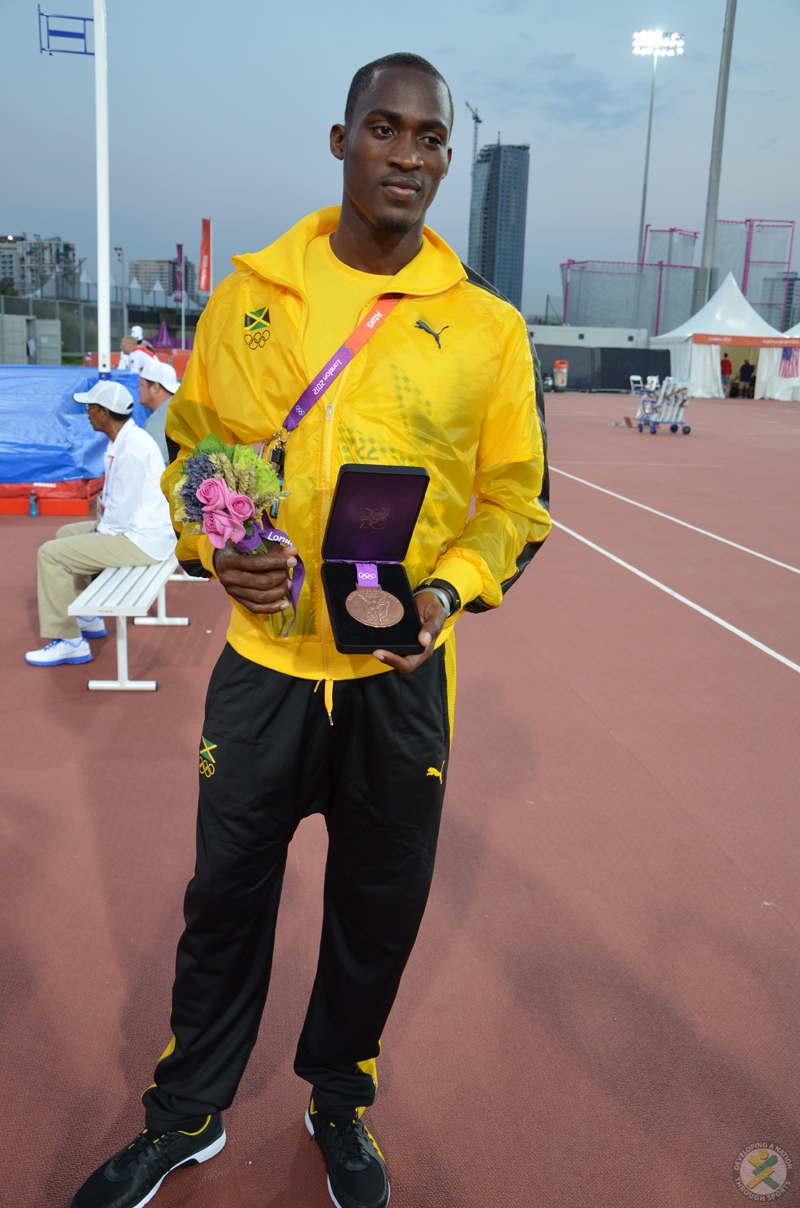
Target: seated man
{"x": 133, "y": 529}
{"x": 157, "y": 384}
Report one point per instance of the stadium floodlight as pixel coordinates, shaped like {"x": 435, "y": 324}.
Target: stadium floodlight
{"x": 658, "y": 44}
{"x": 655, "y": 42}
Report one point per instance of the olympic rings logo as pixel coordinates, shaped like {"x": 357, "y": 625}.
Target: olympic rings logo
{"x": 256, "y": 339}
{"x": 207, "y": 769}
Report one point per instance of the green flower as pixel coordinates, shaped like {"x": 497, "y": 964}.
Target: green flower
{"x": 211, "y": 444}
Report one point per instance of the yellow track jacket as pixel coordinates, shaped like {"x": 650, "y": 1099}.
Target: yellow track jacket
{"x": 466, "y": 411}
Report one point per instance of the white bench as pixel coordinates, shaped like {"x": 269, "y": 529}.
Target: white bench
{"x": 122, "y": 592}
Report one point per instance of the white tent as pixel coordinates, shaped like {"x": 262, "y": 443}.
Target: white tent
{"x": 727, "y": 319}
{"x": 770, "y": 383}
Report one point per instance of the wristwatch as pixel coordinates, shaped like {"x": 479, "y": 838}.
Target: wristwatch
{"x": 444, "y": 592}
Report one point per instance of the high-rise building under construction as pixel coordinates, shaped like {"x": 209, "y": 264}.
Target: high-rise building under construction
{"x": 497, "y": 217}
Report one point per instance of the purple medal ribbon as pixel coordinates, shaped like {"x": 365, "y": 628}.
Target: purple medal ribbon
{"x": 367, "y": 573}
{"x": 268, "y": 532}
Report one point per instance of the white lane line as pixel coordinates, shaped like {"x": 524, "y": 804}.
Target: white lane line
{"x": 781, "y": 658}
{"x": 652, "y": 465}
{"x": 665, "y": 516}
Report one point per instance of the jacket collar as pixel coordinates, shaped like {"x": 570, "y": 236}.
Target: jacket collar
{"x": 116, "y": 446}
{"x": 435, "y": 269}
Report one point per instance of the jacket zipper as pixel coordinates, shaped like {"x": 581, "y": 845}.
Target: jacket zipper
{"x": 325, "y": 494}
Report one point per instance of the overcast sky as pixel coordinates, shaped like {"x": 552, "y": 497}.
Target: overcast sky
{"x": 223, "y": 110}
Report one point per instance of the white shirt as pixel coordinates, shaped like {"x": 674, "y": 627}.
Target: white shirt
{"x": 132, "y": 501}
{"x": 134, "y": 362}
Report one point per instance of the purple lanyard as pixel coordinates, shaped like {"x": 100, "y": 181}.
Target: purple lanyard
{"x": 341, "y": 359}
{"x": 312, "y": 393}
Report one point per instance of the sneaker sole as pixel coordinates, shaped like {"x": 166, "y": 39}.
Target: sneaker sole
{"x": 83, "y": 658}
{"x": 310, "y": 1128}
{"x": 95, "y": 633}
{"x": 210, "y": 1151}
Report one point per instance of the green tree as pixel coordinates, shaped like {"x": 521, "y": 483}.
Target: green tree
{"x": 7, "y": 287}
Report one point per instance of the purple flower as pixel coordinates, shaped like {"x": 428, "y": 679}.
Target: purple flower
{"x": 197, "y": 470}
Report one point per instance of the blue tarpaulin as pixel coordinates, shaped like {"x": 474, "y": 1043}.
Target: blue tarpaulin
{"x": 45, "y": 436}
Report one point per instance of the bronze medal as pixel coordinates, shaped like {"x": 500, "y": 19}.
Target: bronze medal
{"x": 374, "y": 607}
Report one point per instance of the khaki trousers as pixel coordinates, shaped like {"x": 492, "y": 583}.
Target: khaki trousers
{"x": 67, "y": 565}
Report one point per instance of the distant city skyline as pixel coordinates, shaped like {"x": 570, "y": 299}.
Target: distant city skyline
{"x": 217, "y": 105}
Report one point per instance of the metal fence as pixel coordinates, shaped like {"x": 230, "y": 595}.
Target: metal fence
{"x": 658, "y": 293}
{"x": 79, "y": 318}
{"x": 616, "y": 293}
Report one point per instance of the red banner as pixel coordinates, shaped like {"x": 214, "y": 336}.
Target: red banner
{"x": 204, "y": 274}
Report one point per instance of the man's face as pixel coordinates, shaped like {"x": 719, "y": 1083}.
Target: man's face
{"x": 127, "y": 344}
{"x": 98, "y": 416}
{"x": 395, "y": 149}
{"x": 149, "y": 393}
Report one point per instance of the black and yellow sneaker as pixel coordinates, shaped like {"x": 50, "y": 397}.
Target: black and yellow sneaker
{"x": 356, "y": 1170}
{"x": 132, "y": 1177}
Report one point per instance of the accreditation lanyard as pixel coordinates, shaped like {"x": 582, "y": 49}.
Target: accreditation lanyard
{"x": 329, "y": 373}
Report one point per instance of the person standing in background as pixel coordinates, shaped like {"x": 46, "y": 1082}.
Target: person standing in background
{"x": 725, "y": 369}
{"x": 134, "y": 356}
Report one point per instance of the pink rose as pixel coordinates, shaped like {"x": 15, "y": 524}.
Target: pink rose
{"x": 213, "y": 493}
{"x": 220, "y": 526}
{"x": 241, "y": 507}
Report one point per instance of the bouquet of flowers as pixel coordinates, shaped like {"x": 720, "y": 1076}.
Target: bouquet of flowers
{"x": 224, "y": 490}
{"x": 227, "y": 492}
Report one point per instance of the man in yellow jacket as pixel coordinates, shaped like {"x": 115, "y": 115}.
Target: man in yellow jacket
{"x": 445, "y": 383}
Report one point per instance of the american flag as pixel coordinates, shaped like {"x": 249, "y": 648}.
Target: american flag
{"x": 790, "y": 368}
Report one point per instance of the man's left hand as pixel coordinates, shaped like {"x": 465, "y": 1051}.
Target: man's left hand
{"x": 432, "y": 615}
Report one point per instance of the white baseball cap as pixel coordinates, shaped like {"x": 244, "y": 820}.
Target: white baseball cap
{"x": 159, "y": 371}
{"x": 111, "y": 395}
{"x": 137, "y": 333}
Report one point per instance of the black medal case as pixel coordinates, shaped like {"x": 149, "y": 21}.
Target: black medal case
{"x": 371, "y": 521}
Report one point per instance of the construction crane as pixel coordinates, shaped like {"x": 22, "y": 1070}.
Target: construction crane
{"x": 476, "y": 122}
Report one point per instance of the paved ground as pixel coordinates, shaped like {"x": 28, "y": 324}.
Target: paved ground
{"x": 602, "y": 1006}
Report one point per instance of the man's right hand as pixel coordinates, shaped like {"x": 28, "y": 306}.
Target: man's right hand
{"x": 258, "y": 581}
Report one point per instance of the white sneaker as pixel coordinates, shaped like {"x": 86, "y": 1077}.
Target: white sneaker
{"x": 60, "y": 650}
{"x": 91, "y": 627}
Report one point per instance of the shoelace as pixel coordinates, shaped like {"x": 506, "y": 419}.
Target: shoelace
{"x": 351, "y": 1136}
{"x": 137, "y": 1147}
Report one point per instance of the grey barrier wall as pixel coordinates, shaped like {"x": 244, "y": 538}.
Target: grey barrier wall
{"x": 605, "y": 368}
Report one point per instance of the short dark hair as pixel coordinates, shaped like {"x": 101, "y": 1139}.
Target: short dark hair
{"x": 364, "y": 77}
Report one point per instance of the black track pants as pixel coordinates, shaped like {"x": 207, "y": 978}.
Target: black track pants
{"x": 268, "y": 758}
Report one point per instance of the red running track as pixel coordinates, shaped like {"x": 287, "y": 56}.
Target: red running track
{"x": 602, "y": 1006}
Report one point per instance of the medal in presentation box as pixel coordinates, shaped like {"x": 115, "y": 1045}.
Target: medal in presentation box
{"x": 367, "y": 591}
